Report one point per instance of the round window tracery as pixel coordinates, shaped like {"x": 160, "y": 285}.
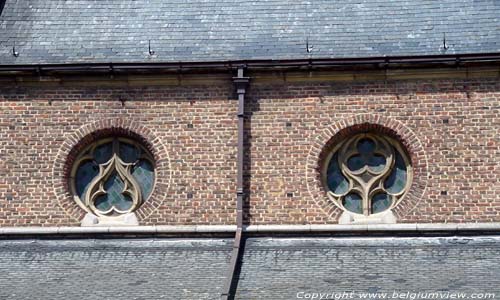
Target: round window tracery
{"x": 112, "y": 177}
{"x": 367, "y": 174}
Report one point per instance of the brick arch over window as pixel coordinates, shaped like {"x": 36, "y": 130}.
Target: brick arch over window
{"x": 327, "y": 138}
{"x": 89, "y": 133}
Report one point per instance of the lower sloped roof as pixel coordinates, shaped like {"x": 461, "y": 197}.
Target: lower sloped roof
{"x": 271, "y": 268}
{"x": 282, "y": 268}
{"x": 113, "y": 269}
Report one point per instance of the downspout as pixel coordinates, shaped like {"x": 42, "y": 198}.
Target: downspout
{"x": 2, "y": 4}
{"x": 240, "y": 83}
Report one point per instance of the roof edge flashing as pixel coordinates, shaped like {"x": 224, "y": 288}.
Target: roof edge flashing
{"x": 263, "y": 229}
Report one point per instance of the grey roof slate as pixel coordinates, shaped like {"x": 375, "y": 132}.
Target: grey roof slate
{"x": 113, "y": 269}
{"x": 280, "y": 268}
{"x": 272, "y": 268}
{"x": 76, "y": 31}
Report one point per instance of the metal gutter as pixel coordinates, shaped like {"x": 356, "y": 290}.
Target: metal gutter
{"x": 373, "y": 62}
{"x": 264, "y": 229}
{"x": 241, "y": 83}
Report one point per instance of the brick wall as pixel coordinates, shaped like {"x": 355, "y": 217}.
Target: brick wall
{"x": 451, "y": 128}
{"x": 201, "y": 159}
{"x": 456, "y": 123}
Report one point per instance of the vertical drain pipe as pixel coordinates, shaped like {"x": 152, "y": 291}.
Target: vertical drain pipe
{"x": 241, "y": 83}
{"x": 2, "y": 4}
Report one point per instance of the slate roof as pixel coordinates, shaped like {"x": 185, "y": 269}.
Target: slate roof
{"x": 76, "y": 31}
{"x": 281, "y": 268}
{"x": 113, "y": 269}
{"x": 271, "y": 268}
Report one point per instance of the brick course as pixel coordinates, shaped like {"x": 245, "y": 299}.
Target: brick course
{"x": 450, "y": 126}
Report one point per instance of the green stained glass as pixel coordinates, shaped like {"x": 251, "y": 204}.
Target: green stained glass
{"x": 353, "y": 202}
{"x": 337, "y": 183}
{"x": 103, "y": 153}
{"x": 396, "y": 181}
{"x": 355, "y": 163}
{"x": 143, "y": 172}
{"x": 380, "y": 202}
{"x": 128, "y": 153}
{"x": 114, "y": 196}
{"x": 123, "y": 204}
{"x": 376, "y": 162}
{"x": 84, "y": 175}
{"x": 102, "y": 203}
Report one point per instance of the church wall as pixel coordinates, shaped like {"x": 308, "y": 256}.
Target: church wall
{"x": 450, "y": 126}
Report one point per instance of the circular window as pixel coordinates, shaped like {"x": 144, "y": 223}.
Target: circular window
{"x": 112, "y": 177}
{"x": 367, "y": 174}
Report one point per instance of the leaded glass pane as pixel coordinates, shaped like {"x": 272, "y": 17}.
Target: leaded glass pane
{"x": 396, "y": 181}
{"x": 84, "y": 175}
{"x": 128, "y": 153}
{"x": 376, "y": 163}
{"x": 357, "y": 168}
{"x": 366, "y": 146}
{"x": 119, "y": 173}
{"x": 114, "y": 196}
{"x": 144, "y": 174}
{"x": 353, "y": 202}
{"x": 103, "y": 153}
{"x": 102, "y": 203}
{"x": 355, "y": 163}
{"x": 123, "y": 203}
{"x": 336, "y": 181}
{"x": 380, "y": 202}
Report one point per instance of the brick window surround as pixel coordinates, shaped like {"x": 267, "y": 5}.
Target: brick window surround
{"x": 89, "y": 133}
{"x": 327, "y": 138}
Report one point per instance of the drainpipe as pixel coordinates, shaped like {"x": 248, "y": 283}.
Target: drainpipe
{"x": 240, "y": 83}
{"x": 2, "y": 4}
